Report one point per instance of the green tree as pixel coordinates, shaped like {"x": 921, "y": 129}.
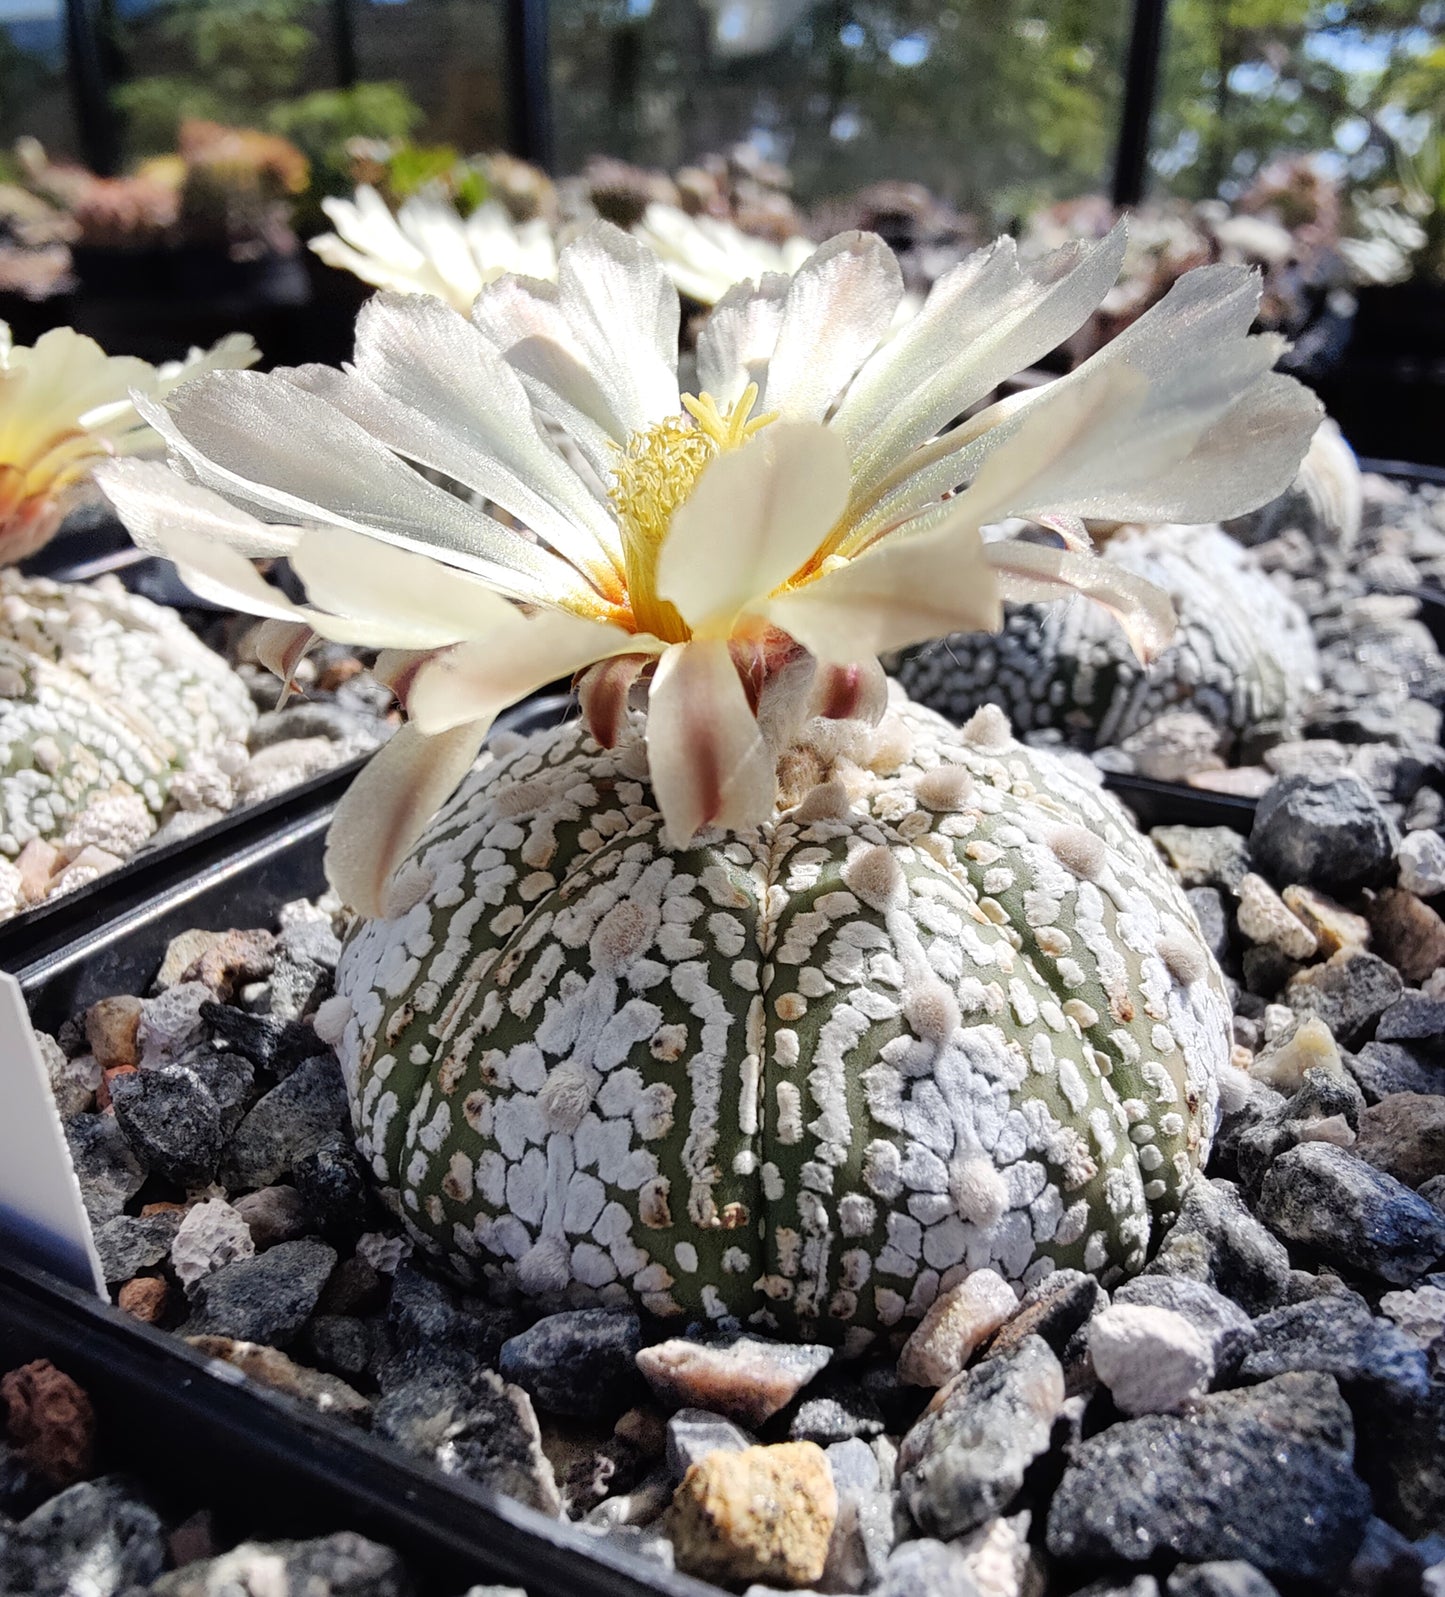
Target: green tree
{"x": 224, "y": 59}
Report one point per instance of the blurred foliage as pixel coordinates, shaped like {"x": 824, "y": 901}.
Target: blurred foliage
{"x": 1248, "y": 79}
{"x": 322, "y": 124}
{"x": 244, "y": 63}
{"x": 225, "y": 60}
{"x": 998, "y": 105}
{"x": 409, "y": 168}
{"x": 991, "y": 103}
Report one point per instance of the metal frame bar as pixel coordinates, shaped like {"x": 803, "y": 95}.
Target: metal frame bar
{"x": 1141, "y": 87}
{"x": 89, "y": 92}
{"x": 343, "y": 42}
{"x": 529, "y": 84}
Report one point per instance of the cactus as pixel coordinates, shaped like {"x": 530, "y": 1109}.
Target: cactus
{"x": 1243, "y": 656}
{"x": 946, "y": 1009}
{"x": 103, "y": 695}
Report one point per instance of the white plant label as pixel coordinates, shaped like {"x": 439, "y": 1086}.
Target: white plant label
{"x": 42, "y": 1219}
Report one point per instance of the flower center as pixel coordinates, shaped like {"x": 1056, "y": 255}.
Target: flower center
{"x": 655, "y": 473}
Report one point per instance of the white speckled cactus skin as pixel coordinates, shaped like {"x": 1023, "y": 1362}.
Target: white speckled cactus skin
{"x": 948, "y": 1009}
{"x": 101, "y": 693}
{"x": 1244, "y": 656}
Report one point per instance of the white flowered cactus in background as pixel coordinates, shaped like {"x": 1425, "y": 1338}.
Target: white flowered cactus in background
{"x": 66, "y": 405}
{"x": 783, "y": 1001}
{"x": 1242, "y": 659}
{"x": 705, "y": 255}
{"x": 104, "y": 696}
{"x": 429, "y": 248}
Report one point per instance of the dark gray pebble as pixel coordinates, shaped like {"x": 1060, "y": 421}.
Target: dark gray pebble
{"x": 1327, "y": 832}
{"x": 1337, "y": 1335}
{"x": 965, "y": 1462}
{"x": 1344, "y": 1211}
{"x": 582, "y": 1361}
{"x": 265, "y": 1299}
{"x": 1217, "y": 1240}
{"x": 110, "y": 1175}
{"x": 96, "y": 1539}
{"x": 171, "y": 1121}
{"x": 1262, "y": 1475}
{"x": 293, "y": 1120}
{"x": 130, "y": 1243}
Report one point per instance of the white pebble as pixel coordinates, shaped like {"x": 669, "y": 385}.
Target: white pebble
{"x": 1265, "y": 918}
{"x": 1422, "y": 863}
{"x": 210, "y": 1235}
{"x": 385, "y": 1254}
{"x": 1420, "y": 1313}
{"x": 1152, "y": 1360}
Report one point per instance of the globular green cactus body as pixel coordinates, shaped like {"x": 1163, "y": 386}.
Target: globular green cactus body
{"x": 1243, "y": 656}
{"x": 101, "y": 693}
{"x": 946, "y": 1010}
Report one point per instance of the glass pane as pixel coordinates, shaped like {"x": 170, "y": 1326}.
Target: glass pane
{"x": 34, "y": 98}
{"x": 449, "y": 56}
{"x": 236, "y": 62}
{"x": 998, "y": 105}
{"x": 1356, "y": 82}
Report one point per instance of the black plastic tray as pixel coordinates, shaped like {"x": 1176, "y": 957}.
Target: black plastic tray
{"x": 199, "y": 1435}
{"x": 1156, "y": 803}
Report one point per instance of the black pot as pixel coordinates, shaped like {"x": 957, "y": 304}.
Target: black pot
{"x": 1388, "y": 390}
{"x": 195, "y": 1436}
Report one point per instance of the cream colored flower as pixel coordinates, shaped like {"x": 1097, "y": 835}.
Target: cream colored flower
{"x": 427, "y": 248}
{"x": 706, "y": 255}
{"x": 65, "y": 405}
{"x": 745, "y": 552}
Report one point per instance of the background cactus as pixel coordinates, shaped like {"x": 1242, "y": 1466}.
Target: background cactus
{"x": 946, "y": 1010}
{"x": 1244, "y": 657}
{"x": 103, "y": 696}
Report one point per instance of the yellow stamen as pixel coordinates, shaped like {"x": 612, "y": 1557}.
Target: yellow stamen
{"x": 655, "y": 473}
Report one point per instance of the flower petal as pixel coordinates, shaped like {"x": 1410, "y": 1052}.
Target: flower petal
{"x": 150, "y": 498}
{"x": 709, "y": 763}
{"x": 281, "y": 646}
{"x": 370, "y": 582}
{"x": 522, "y": 318}
{"x": 839, "y": 305}
{"x": 983, "y": 321}
{"x": 753, "y": 519}
{"x": 602, "y": 694}
{"x": 218, "y": 573}
{"x": 518, "y": 654}
{"x": 624, "y": 314}
{"x": 904, "y": 590}
{"x": 1032, "y": 573}
{"x": 428, "y": 385}
{"x": 737, "y": 340}
{"x": 267, "y": 443}
{"x": 1211, "y": 436}
{"x": 1178, "y": 419}
{"x": 388, "y": 805}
